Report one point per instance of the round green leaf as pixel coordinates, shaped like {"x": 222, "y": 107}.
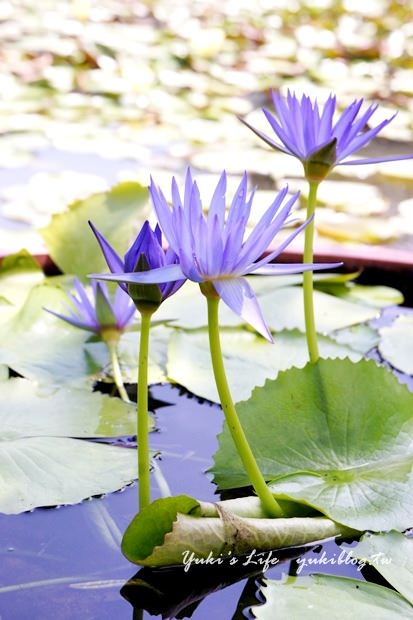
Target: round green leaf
{"x": 335, "y": 435}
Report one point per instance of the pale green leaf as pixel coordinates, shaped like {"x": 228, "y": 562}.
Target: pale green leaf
{"x": 396, "y": 343}
{"x": 324, "y": 597}
{"x": 31, "y": 411}
{"x": 391, "y": 554}
{"x": 249, "y": 359}
{"x": 48, "y": 471}
{"x": 117, "y": 213}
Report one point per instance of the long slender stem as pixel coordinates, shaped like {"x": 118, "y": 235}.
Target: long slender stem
{"x": 142, "y": 413}
{"x": 117, "y": 375}
{"x": 310, "y": 329}
{"x": 270, "y": 505}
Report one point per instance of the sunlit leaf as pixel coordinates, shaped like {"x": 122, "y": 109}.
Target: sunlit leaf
{"x": 116, "y": 213}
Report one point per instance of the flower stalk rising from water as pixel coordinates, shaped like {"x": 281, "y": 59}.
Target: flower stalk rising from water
{"x": 212, "y": 251}
{"x": 145, "y": 253}
{"x": 105, "y": 317}
{"x": 312, "y": 134}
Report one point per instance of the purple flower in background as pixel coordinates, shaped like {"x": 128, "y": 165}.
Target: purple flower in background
{"x": 146, "y": 253}
{"x": 103, "y": 314}
{"x": 308, "y": 131}
{"x": 212, "y": 249}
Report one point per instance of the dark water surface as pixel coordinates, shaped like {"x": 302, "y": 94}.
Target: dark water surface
{"x": 65, "y": 563}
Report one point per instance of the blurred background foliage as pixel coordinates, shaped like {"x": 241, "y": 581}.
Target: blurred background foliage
{"x": 94, "y": 93}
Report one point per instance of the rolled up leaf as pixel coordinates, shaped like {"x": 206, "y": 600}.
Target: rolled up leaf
{"x": 172, "y": 531}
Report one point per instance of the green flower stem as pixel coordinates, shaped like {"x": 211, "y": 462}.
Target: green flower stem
{"x": 117, "y": 375}
{"x": 142, "y": 412}
{"x": 270, "y": 505}
{"x": 310, "y": 329}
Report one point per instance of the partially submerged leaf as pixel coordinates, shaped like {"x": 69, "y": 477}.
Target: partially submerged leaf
{"x": 72, "y": 245}
{"x": 334, "y": 435}
{"x": 323, "y": 597}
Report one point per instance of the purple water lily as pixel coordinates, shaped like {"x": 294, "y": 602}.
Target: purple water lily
{"x": 145, "y": 253}
{"x": 306, "y": 131}
{"x": 212, "y": 249}
{"x": 103, "y": 314}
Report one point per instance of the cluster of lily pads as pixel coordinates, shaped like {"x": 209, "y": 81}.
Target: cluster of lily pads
{"x": 326, "y": 448}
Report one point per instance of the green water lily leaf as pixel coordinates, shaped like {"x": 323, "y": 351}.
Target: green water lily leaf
{"x": 171, "y": 529}
{"x": 336, "y": 436}
{"x": 116, "y": 213}
{"x": 31, "y": 411}
{"x": 396, "y": 343}
{"x": 391, "y": 554}
{"x": 323, "y": 597}
{"x": 249, "y": 359}
{"x": 48, "y": 471}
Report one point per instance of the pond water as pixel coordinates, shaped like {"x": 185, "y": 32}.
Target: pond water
{"x": 65, "y": 563}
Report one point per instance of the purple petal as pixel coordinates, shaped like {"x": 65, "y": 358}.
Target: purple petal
{"x": 169, "y": 273}
{"x": 114, "y": 262}
{"x": 73, "y": 321}
{"x": 271, "y": 143}
{"x": 237, "y": 294}
{"x": 374, "y": 160}
{"x": 217, "y": 206}
{"x": 291, "y": 268}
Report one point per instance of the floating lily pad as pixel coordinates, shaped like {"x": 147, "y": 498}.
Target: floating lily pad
{"x": 32, "y": 411}
{"x": 323, "y": 597}
{"x": 283, "y": 309}
{"x": 48, "y": 471}
{"x": 116, "y": 213}
{"x": 391, "y": 554}
{"x": 361, "y": 338}
{"x": 396, "y": 343}
{"x": 249, "y": 359}
{"x": 336, "y": 436}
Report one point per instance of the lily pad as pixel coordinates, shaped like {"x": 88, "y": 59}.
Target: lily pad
{"x": 335, "y": 436}
{"x": 116, "y": 213}
{"x": 323, "y": 597}
{"x": 391, "y": 554}
{"x": 49, "y": 471}
{"x": 31, "y": 411}
{"x": 396, "y": 344}
{"x": 249, "y": 359}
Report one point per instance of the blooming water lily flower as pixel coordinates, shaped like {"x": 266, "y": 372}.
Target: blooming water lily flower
{"x": 309, "y": 132}
{"x": 101, "y": 315}
{"x": 213, "y": 249}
